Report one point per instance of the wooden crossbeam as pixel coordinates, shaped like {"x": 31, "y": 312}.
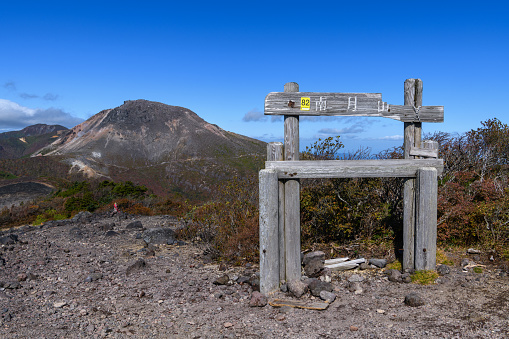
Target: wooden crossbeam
{"x": 404, "y": 168}
{"x": 347, "y": 104}
{"x": 421, "y": 114}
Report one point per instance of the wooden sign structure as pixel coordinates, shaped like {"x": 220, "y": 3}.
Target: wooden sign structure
{"x": 280, "y": 188}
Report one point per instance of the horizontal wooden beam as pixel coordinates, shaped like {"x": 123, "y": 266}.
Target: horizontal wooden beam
{"x": 347, "y": 104}
{"x": 405, "y": 168}
{"x": 424, "y": 152}
{"x": 422, "y": 114}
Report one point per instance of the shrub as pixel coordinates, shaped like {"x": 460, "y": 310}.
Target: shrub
{"x": 229, "y": 224}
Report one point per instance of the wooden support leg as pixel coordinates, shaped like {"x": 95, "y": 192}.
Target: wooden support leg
{"x": 281, "y": 228}
{"x": 426, "y": 219}
{"x": 408, "y": 223}
{"x": 292, "y": 230}
{"x": 269, "y": 231}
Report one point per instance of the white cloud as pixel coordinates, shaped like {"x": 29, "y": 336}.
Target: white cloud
{"x": 14, "y": 116}
{"x": 254, "y": 115}
{"x": 392, "y": 137}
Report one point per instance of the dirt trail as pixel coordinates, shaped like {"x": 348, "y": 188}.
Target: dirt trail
{"x": 97, "y": 279}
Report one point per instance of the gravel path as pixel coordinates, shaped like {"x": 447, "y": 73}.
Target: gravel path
{"x": 97, "y": 278}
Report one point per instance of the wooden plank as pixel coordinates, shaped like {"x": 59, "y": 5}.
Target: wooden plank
{"x": 408, "y": 224}
{"x": 335, "y": 261}
{"x": 352, "y": 168}
{"x": 348, "y": 104}
{"x": 348, "y": 265}
{"x": 409, "y": 184}
{"x": 291, "y": 135}
{"x": 426, "y": 219}
{"x": 292, "y": 229}
{"x": 281, "y": 228}
{"x": 292, "y": 195}
{"x": 285, "y": 103}
{"x": 275, "y": 153}
{"x": 269, "y": 238}
{"x": 316, "y": 305}
{"x": 424, "y": 152}
{"x": 423, "y": 114}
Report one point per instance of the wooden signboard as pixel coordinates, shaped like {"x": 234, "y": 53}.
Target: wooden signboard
{"x": 347, "y": 104}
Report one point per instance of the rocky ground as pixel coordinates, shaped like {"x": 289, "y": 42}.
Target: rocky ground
{"x": 110, "y": 277}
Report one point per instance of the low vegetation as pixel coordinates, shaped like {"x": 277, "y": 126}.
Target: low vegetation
{"x": 473, "y": 201}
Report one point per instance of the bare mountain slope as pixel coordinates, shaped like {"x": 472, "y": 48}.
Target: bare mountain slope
{"x": 17, "y": 144}
{"x": 151, "y": 141}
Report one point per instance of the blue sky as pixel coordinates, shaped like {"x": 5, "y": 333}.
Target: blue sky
{"x": 62, "y": 62}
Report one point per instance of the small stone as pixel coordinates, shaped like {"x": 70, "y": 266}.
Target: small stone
{"x": 363, "y": 266}
{"x": 353, "y": 328}
{"x": 280, "y": 317}
{"x": 318, "y": 286}
{"x": 12, "y": 285}
{"x": 22, "y": 277}
{"x": 355, "y": 287}
{"x": 394, "y": 275}
{"x": 111, "y": 234}
{"x": 313, "y": 267}
{"x": 137, "y": 266}
{"x": 222, "y": 280}
{"x": 316, "y": 255}
{"x": 31, "y": 276}
{"x": 134, "y": 225}
{"x": 228, "y": 325}
{"x": 473, "y": 251}
{"x": 10, "y": 239}
{"x": 59, "y": 304}
{"x": 243, "y": 280}
{"x": 406, "y": 278}
{"x": 258, "y": 300}
{"x": 465, "y": 262}
{"x": 380, "y": 263}
{"x": 93, "y": 277}
{"x": 328, "y": 296}
{"x": 443, "y": 269}
{"x": 254, "y": 281}
{"x": 414, "y": 299}
{"x": 284, "y": 288}
{"x": 356, "y": 278}
{"x": 159, "y": 235}
{"x": 380, "y": 311}
{"x": 297, "y": 288}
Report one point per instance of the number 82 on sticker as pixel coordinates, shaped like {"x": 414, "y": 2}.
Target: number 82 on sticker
{"x": 305, "y": 103}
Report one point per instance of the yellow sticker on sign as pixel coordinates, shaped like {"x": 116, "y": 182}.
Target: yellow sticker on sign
{"x": 305, "y": 104}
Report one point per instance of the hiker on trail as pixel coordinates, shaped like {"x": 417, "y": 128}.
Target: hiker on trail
{"x": 115, "y": 209}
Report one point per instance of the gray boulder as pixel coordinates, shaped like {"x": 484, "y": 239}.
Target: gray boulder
{"x": 380, "y": 263}
{"x": 159, "y": 236}
{"x": 414, "y": 299}
{"x": 297, "y": 288}
{"x": 317, "y": 286}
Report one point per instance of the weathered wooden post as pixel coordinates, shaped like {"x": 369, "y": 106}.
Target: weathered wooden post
{"x": 292, "y": 195}
{"x": 426, "y": 219}
{"x": 269, "y": 237}
{"x": 412, "y": 137}
{"x": 275, "y": 153}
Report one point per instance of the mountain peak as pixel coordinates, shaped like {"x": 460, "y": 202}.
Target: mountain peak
{"x": 143, "y": 135}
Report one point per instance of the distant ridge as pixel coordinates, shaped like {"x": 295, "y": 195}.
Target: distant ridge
{"x": 17, "y": 144}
